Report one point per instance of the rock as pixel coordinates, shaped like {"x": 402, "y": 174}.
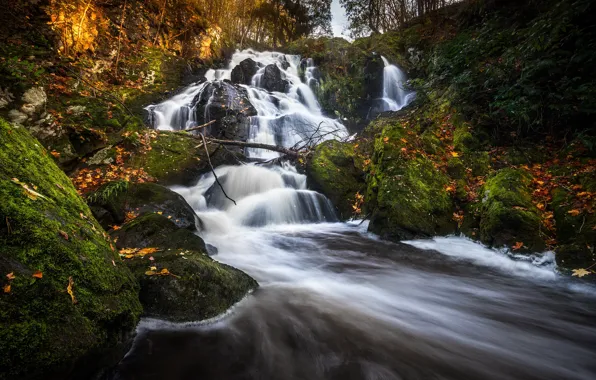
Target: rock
{"x": 243, "y": 73}
{"x": 112, "y": 202}
{"x": 406, "y": 194}
{"x": 47, "y": 227}
{"x": 334, "y": 171}
{"x": 176, "y": 158}
{"x": 34, "y": 99}
{"x": 155, "y": 230}
{"x": 271, "y": 79}
{"x": 195, "y": 288}
{"x": 507, "y": 214}
{"x": 373, "y": 76}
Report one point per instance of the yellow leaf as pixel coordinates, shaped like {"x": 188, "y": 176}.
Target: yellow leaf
{"x": 403, "y": 140}
{"x": 10, "y": 276}
{"x": 455, "y": 154}
{"x": 164, "y": 272}
{"x": 146, "y": 251}
{"x": 580, "y": 272}
{"x": 160, "y": 212}
{"x": 70, "y": 291}
{"x": 150, "y": 273}
{"x": 7, "y": 288}
{"x": 37, "y": 274}
{"x": 153, "y": 268}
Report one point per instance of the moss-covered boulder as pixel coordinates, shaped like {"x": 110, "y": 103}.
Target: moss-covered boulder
{"x": 115, "y": 202}
{"x": 176, "y": 158}
{"x": 155, "y": 230}
{"x": 406, "y": 191}
{"x": 194, "y": 287}
{"x": 507, "y": 214}
{"x": 335, "y": 170}
{"x": 50, "y": 244}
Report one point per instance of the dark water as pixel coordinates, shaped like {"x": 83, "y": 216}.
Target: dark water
{"x": 338, "y": 304}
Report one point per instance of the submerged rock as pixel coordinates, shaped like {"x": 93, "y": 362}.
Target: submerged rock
{"x": 333, "y": 170}
{"x": 243, "y": 73}
{"x": 114, "y": 201}
{"x": 50, "y": 244}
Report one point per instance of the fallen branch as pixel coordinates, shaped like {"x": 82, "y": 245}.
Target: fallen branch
{"x": 213, "y": 170}
{"x": 275, "y": 148}
{"x": 200, "y": 126}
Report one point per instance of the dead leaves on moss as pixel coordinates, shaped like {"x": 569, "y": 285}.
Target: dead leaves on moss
{"x": 129, "y": 253}
{"x": 29, "y": 192}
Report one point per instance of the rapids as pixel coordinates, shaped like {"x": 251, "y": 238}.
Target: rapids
{"x": 336, "y": 302}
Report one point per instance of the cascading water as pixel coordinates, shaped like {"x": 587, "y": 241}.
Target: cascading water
{"x": 395, "y": 97}
{"x": 337, "y": 303}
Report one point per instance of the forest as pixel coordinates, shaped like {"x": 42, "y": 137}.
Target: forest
{"x": 297, "y": 189}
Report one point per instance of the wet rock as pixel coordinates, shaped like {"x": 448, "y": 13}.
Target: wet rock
{"x": 48, "y": 228}
{"x": 155, "y": 230}
{"x": 271, "y": 79}
{"x": 243, "y": 73}
{"x": 196, "y": 287}
{"x": 507, "y": 214}
{"x": 112, "y": 202}
{"x": 334, "y": 171}
{"x": 373, "y": 76}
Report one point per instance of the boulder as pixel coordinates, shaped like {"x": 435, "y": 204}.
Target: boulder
{"x": 373, "y": 76}
{"x": 507, "y": 214}
{"x": 114, "y": 202}
{"x": 243, "y": 73}
{"x": 187, "y": 285}
{"x": 271, "y": 79}
{"x": 68, "y": 302}
{"x": 176, "y": 158}
{"x": 406, "y": 194}
{"x": 335, "y": 171}
{"x": 155, "y": 230}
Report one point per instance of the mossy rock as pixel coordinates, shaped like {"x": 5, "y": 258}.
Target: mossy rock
{"x": 407, "y": 194}
{"x": 155, "y": 230}
{"x": 463, "y": 140}
{"x": 112, "y": 203}
{"x": 176, "y": 158}
{"x": 507, "y": 214}
{"x": 575, "y": 233}
{"x": 49, "y": 228}
{"x": 333, "y": 171}
{"x": 477, "y": 162}
{"x": 197, "y": 287}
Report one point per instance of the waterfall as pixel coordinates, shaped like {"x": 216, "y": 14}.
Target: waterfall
{"x": 293, "y": 118}
{"x": 395, "y": 97}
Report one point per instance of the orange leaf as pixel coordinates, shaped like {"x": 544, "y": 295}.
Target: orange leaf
{"x": 10, "y": 276}
{"x": 146, "y": 251}
{"x": 37, "y": 274}
{"x": 385, "y": 139}
{"x": 7, "y": 288}
{"x": 518, "y": 245}
{"x": 116, "y": 228}
{"x": 574, "y": 212}
{"x": 55, "y": 154}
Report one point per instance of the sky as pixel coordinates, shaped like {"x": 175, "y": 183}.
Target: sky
{"x": 339, "y": 21}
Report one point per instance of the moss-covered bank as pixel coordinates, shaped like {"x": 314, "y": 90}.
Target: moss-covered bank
{"x": 45, "y": 226}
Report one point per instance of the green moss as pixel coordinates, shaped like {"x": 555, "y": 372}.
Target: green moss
{"x": 463, "y": 140}
{"x": 478, "y": 162}
{"x": 408, "y": 194}
{"x": 333, "y": 170}
{"x": 42, "y": 331}
{"x": 455, "y": 168}
{"x": 199, "y": 287}
{"x": 507, "y": 213}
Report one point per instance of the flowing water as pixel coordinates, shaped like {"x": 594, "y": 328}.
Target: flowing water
{"x": 395, "y": 96}
{"x": 336, "y": 302}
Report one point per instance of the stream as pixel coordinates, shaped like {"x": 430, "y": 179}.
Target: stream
{"x": 336, "y": 302}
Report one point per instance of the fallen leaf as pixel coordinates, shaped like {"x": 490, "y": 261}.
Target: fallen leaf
{"x": 164, "y": 272}
{"x": 70, "y": 290}
{"x": 7, "y": 288}
{"x": 518, "y": 245}
{"x": 150, "y": 273}
{"x": 574, "y": 212}
{"x": 55, "y": 153}
{"x": 385, "y": 139}
{"x": 153, "y": 268}
{"x": 160, "y": 212}
{"x": 580, "y": 272}
{"x": 454, "y": 154}
{"x": 113, "y": 263}
{"x": 146, "y": 251}
{"x": 37, "y": 274}
{"x": 151, "y": 258}
{"x": 10, "y": 276}
{"x": 116, "y": 228}
{"x": 63, "y": 234}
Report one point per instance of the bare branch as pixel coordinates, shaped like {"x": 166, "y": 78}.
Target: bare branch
{"x": 213, "y": 170}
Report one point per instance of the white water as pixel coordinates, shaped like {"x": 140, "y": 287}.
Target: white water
{"x": 395, "y": 97}
{"x": 336, "y": 302}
